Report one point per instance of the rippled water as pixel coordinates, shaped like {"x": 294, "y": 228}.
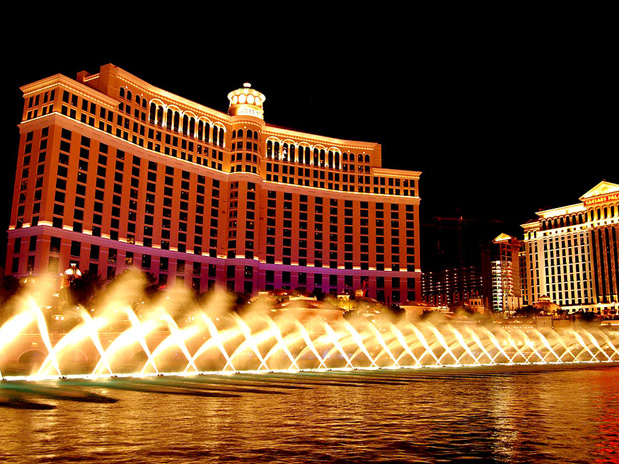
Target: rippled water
{"x": 426, "y": 416}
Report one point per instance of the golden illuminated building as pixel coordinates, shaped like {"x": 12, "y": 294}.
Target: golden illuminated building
{"x": 571, "y": 252}
{"x": 113, "y": 172}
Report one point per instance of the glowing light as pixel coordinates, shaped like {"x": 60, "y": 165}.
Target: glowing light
{"x": 212, "y": 338}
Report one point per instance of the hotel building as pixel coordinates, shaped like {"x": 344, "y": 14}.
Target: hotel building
{"x": 500, "y": 270}
{"x": 572, "y": 254}
{"x": 114, "y": 173}
{"x": 450, "y": 286}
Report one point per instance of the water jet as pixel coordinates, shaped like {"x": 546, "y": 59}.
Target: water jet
{"x": 121, "y": 341}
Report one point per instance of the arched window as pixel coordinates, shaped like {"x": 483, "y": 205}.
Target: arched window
{"x": 152, "y": 114}
{"x": 285, "y": 151}
{"x": 170, "y": 119}
{"x": 185, "y": 124}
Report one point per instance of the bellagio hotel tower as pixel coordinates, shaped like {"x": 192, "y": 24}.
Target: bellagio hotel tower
{"x": 114, "y": 173}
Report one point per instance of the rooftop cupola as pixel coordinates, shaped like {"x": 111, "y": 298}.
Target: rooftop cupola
{"x": 246, "y": 102}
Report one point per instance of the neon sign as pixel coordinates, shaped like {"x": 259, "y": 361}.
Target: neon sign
{"x": 602, "y": 199}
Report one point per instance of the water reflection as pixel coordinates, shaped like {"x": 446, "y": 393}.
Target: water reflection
{"x": 567, "y": 416}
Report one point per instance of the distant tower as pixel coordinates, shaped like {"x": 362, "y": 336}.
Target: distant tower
{"x": 501, "y": 274}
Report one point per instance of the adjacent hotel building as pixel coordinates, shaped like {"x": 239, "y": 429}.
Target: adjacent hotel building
{"x": 113, "y": 172}
{"x": 572, "y": 253}
{"x": 500, "y": 270}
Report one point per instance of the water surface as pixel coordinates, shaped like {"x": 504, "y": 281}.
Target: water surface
{"x": 489, "y": 415}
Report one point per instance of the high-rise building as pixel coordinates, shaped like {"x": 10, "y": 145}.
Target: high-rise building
{"x": 451, "y": 286}
{"x": 571, "y": 252}
{"x": 114, "y": 172}
{"x": 500, "y": 267}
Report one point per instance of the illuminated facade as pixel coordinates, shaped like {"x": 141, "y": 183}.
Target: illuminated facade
{"x": 113, "y": 172}
{"x": 500, "y": 267}
{"x": 571, "y": 252}
{"x": 450, "y": 286}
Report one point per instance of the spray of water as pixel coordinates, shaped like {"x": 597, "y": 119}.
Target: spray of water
{"x": 127, "y": 334}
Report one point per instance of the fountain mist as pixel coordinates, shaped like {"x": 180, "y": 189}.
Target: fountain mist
{"x": 177, "y": 334}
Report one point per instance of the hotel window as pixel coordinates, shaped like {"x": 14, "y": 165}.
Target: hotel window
{"x": 32, "y": 245}
{"x": 54, "y": 245}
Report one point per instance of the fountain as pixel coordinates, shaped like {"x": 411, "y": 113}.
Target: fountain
{"x": 176, "y": 335}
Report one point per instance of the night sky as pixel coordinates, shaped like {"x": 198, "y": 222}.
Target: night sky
{"x": 503, "y": 117}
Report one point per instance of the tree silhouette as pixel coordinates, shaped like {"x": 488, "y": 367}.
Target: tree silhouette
{"x": 82, "y": 290}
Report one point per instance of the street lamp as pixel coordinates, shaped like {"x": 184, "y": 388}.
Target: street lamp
{"x": 73, "y": 273}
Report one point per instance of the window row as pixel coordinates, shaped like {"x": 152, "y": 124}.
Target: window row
{"x": 129, "y": 126}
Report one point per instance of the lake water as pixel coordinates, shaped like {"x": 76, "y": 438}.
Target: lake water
{"x": 502, "y": 415}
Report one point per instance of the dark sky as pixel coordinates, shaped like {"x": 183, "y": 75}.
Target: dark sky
{"x": 504, "y": 117}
